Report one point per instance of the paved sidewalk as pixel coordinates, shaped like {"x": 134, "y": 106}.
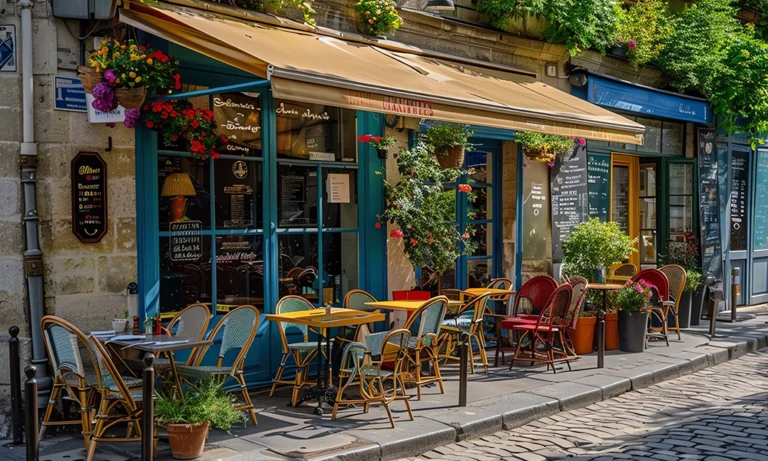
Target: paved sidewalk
{"x": 717, "y": 414}
{"x": 503, "y": 400}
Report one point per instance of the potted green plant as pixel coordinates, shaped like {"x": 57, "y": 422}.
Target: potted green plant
{"x": 188, "y": 420}
{"x": 380, "y": 143}
{"x": 423, "y": 212}
{"x": 594, "y": 245}
{"x": 692, "y": 282}
{"x": 545, "y": 147}
{"x": 632, "y": 301}
{"x": 448, "y": 142}
{"x": 583, "y": 335}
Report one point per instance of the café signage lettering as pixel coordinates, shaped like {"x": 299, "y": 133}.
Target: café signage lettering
{"x": 291, "y": 112}
{"x": 89, "y": 197}
{"x": 405, "y": 106}
{"x": 186, "y": 241}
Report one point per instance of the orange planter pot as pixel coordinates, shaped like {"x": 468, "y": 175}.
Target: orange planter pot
{"x": 611, "y": 331}
{"x": 584, "y": 335}
{"x": 187, "y": 440}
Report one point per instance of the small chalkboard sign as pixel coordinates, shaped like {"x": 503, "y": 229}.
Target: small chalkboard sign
{"x": 89, "y": 197}
{"x": 569, "y": 195}
{"x": 709, "y": 205}
{"x": 186, "y": 241}
{"x": 599, "y": 178}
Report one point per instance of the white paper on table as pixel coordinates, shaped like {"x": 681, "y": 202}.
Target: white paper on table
{"x": 103, "y": 333}
{"x": 338, "y": 188}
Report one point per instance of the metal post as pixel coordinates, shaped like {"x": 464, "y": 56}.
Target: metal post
{"x": 30, "y": 412}
{"x": 735, "y": 290}
{"x": 463, "y": 368}
{"x": 17, "y": 408}
{"x": 148, "y": 417}
{"x": 600, "y": 338}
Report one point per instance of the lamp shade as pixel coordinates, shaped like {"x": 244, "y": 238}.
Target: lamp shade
{"x": 178, "y": 185}
{"x": 440, "y": 5}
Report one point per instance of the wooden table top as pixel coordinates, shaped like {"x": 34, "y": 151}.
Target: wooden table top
{"x": 493, "y": 291}
{"x": 605, "y": 286}
{"x": 156, "y": 343}
{"x": 397, "y": 305}
{"x": 339, "y": 317}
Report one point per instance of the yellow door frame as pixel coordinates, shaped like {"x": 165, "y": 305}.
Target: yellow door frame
{"x": 632, "y": 163}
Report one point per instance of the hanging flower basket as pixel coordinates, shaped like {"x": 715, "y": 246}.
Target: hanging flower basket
{"x": 88, "y": 77}
{"x": 450, "y": 157}
{"x": 131, "y": 98}
{"x": 539, "y": 155}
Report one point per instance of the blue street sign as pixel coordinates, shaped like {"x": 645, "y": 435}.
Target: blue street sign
{"x": 69, "y": 94}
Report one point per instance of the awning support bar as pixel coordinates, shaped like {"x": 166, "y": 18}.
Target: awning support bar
{"x": 194, "y": 94}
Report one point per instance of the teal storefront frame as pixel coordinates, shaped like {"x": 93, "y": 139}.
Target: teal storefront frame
{"x": 214, "y": 77}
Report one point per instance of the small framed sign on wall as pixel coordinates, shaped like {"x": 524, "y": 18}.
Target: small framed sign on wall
{"x": 89, "y": 197}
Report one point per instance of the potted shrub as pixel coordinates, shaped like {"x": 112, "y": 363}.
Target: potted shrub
{"x": 611, "y": 324}
{"x": 545, "y": 147}
{"x": 594, "y": 245}
{"x": 188, "y": 420}
{"x": 632, "y": 300}
{"x": 423, "y": 213}
{"x": 583, "y": 335}
{"x": 448, "y": 142}
{"x": 377, "y": 17}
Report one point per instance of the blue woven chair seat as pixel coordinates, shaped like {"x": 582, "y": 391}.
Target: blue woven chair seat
{"x": 307, "y": 346}
{"x": 202, "y": 371}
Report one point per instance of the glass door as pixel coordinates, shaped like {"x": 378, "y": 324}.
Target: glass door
{"x": 737, "y": 213}
{"x": 625, "y": 180}
{"x": 647, "y": 205}
{"x": 758, "y": 291}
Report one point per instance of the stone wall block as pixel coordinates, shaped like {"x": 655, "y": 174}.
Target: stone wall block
{"x": 73, "y": 275}
{"x": 10, "y": 124}
{"x": 122, "y": 197}
{"x": 9, "y": 159}
{"x": 44, "y": 58}
{"x": 125, "y": 238}
{"x": 10, "y": 90}
{"x": 12, "y": 240}
{"x": 51, "y": 125}
{"x": 91, "y": 312}
{"x": 96, "y": 135}
{"x": 12, "y": 276}
{"x": 10, "y": 192}
{"x": 116, "y": 272}
{"x": 121, "y": 162}
{"x": 53, "y": 161}
{"x": 57, "y": 239}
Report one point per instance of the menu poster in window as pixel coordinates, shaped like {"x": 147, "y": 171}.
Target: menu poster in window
{"x": 761, "y": 202}
{"x": 738, "y": 202}
{"x": 599, "y": 179}
{"x": 186, "y": 241}
{"x": 293, "y": 196}
{"x": 89, "y": 197}
{"x": 569, "y": 196}
{"x": 709, "y": 208}
{"x": 167, "y": 165}
{"x": 338, "y": 188}
{"x": 238, "y": 116}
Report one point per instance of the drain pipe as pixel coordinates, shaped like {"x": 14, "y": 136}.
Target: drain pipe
{"x": 33, "y": 256}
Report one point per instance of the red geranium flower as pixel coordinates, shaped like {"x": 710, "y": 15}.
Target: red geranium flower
{"x": 396, "y": 233}
{"x": 365, "y": 138}
{"x": 377, "y": 225}
{"x": 465, "y": 188}
{"x": 150, "y": 124}
{"x": 465, "y": 235}
{"x": 195, "y": 124}
{"x": 414, "y": 242}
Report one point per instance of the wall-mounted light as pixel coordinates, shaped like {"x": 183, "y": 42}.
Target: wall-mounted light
{"x": 578, "y": 78}
{"x": 550, "y": 69}
{"x": 440, "y": 5}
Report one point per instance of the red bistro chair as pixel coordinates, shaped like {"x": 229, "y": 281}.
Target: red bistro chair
{"x": 659, "y": 310}
{"x": 547, "y": 332}
{"x": 533, "y": 295}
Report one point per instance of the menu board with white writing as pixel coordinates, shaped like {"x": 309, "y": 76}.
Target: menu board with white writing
{"x": 238, "y": 116}
{"x": 536, "y": 214}
{"x": 738, "y": 202}
{"x": 599, "y": 179}
{"x": 569, "y": 196}
{"x": 186, "y": 241}
{"x": 89, "y": 197}
{"x": 709, "y": 205}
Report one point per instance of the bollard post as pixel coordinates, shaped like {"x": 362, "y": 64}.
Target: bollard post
{"x": 17, "y": 409}
{"x": 713, "y": 302}
{"x": 148, "y": 416}
{"x": 735, "y": 291}
{"x": 30, "y": 412}
{"x": 463, "y": 368}
{"x": 600, "y": 338}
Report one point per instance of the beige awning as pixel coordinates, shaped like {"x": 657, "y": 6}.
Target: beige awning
{"x": 314, "y": 68}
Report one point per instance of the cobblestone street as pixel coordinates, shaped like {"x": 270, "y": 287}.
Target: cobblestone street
{"x": 717, "y": 414}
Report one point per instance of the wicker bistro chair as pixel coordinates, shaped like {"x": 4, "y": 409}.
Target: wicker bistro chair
{"x": 72, "y": 376}
{"x": 470, "y": 322}
{"x": 620, "y": 273}
{"x": 579, "y": 286}
{"x": 547, "y": 332}
{"x": 118, "y": 403}
{"x": 677, "y": 279}
{"x": 355, "y": 300}
{"x": 361, "y": 368}
{"x": 660, "y": 309}
{"x": 190, "y": 323}
{"x": 239, "y": 329}
{"x": 301, "y": 353}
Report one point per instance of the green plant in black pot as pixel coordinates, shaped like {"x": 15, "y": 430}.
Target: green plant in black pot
{"x": 632, "y": 301}
{"x": 188, "y": 420}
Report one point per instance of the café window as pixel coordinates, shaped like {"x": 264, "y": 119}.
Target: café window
{"x": 680, "y": 200}
{"x": 317, "y": 207}
{"x": 211, "y": 215}
{"x": 661, "y": 137}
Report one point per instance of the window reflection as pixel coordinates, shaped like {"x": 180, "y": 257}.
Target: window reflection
{"x": 478, "y": 165}
{"x": 197, "y": 206}
{"x": 238, "y": 116}
{"x": 479, "y": 273}
{"x": 480, "y": 204}
{"x": 184, "y": 282}
{"x": 298, "y": 266}
{"x": 481, "y": 236}
{"x": 239, "y": 271}
{"x": 340, "y": 266}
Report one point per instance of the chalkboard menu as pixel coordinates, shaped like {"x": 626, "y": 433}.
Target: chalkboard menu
{"x": 89, "y": 197}
{"x": 569, "y": 196}
{"x": 761, "y": 201}
{"x": 238, "y": 116}
{"x": 709, "y": 207}
{"x": 186, "y": 241}
{"x": 738, "y": 202}
{"x": 599, "y": 179}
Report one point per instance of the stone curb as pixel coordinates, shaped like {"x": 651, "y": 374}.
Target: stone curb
{"x": 484, "y": 418}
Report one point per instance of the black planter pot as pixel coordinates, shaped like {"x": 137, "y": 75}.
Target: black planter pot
{"x": 697, "y": 304}
{"x": 632, "y": 329}
{"x": 382, "y": 153}
{"x": 684, "y": 310}
{"x": 618, "y": 51}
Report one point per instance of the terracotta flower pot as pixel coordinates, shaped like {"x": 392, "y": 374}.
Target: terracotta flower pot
{"x": 450, "y": 157}
{"x": 612, "y": 331}
{"x": 583, "y": 336}
{"x": 187, "y": 440}
{"x": 131, "y": 98}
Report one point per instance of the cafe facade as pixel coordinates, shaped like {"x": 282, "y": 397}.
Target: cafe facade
{"x": 290, "y": 206}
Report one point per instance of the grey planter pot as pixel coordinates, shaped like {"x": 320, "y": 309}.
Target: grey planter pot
{"x": 697, "y": 304}
{"x": 632, "y": 329}
{"x": 684, "y": 312}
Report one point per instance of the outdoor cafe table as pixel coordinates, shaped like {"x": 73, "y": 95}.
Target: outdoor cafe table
{"x": 318, "y": 318}
{"x": 156, "y": 344}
